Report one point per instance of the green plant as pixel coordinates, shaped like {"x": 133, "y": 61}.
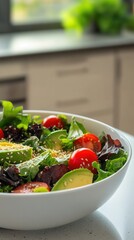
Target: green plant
{"x": 130, "y": 23}
{"x": 107, "y": 16}
{"x": 78, "y": 17}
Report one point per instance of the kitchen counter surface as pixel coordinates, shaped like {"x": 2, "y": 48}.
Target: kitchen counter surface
{"x": 113, "y": 221}
{"x": 44, "y": 42}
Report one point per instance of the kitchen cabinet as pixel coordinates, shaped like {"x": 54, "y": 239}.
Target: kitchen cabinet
{"x": 125, "y": 93}
{"x": 12, "y": 69}
{"x": 97, "y": 84}
{"x": 80, "y": 83}
{"x": 13, "y": 82}
{"x": 90, "y": 75}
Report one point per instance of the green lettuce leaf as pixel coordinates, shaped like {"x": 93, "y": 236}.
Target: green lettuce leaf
{"x": 115, "y": 163}
{"x": 102, "y": 174}
{"x": 14, "y": 115}
{"x": 29, "y": 169}
{"x": 76, "y": 129}
{"x": 6, "y": 188}
{"x": 112, "y": 165}
{"x": 34, "y": 142}
{"x": 67, "y": 144}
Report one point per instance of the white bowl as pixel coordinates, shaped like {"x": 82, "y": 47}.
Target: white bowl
{"x": 46, "y": 210}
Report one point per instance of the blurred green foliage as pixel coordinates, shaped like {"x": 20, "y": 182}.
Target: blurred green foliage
{"x": 109, "y": 15}
{"x": 104, "y": 16}
{"x": 130, "y": 23}
{"x": 79, "y": 16}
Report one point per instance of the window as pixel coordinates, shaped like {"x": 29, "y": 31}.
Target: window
{"x": 18, "y": 15}
{"x": 31, "y": 11}
{"x": 23, "y": 15}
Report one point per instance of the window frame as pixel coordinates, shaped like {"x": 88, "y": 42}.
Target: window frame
{"x": 7, "y": 27}
{"x": 4, "y": 15}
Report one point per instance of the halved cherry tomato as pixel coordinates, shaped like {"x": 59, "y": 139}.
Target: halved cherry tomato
{"x": 53, "y": 121}
{"x": 82, "y": 158}
{"x": 88, "y": 140}
{"x": 1, "y": 134}
{"x": 31, "y": 187}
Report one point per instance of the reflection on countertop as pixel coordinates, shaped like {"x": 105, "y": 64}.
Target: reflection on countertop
{"x": 42, "y": 42}
{"x": 95, "y": 226}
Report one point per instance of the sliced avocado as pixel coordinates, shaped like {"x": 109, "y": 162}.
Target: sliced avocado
{"x": 40, "y": 189}
{"x": 14, "y": 153}
{"x": 73, "y": 179}
{"x": 53, "y": 139}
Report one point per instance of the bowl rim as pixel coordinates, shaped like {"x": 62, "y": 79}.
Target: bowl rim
{"x": 66, "y": 191}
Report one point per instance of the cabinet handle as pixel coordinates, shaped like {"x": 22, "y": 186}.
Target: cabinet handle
{"x": 73, "y": 60}
{"x": 13, "y": 88}
{"x": 67, "y": 72}
{"x": 72, "y": 102}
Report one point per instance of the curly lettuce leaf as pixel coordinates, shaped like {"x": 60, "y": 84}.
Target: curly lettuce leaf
{"x": 112, "y": 165}
{"x": 9, "y": 110}
{"x": 115, "y": 163}
{"x": 6, "y": 189}
{"x": 102, "y": 174}
{"x": 14, "y": 115}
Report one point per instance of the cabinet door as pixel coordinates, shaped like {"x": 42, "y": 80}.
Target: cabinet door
{"x": 12, "y": 69}
{"x": 13, "y": 81}
{"x": 80, "y": 83}
{"x": 126, "y": 92}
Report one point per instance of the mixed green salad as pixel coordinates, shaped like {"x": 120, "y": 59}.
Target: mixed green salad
{"x": 52, "y": 153}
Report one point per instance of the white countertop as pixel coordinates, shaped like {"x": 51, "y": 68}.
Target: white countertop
{"x": 46, "y": 42}
{"x": 113, "y": 221}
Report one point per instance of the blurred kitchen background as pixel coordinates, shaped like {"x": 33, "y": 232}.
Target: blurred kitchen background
{"x": 72, "y": 56}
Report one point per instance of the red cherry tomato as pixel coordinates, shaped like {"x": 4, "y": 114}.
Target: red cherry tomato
{"x": 31, "y": 187}
{"x": 1, "y": 134}
{"x": 52, "y": 121}
{"x": 82, "y": 158}
{"x": 88, "y": 140}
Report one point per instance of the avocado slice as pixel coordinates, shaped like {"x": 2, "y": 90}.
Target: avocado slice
{"x": 53, "y": 139}
{"x": 14, "y": 153}
{"x": 73, "y": 179}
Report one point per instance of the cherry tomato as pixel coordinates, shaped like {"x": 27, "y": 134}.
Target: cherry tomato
{"x": 52, "y": 121}
{"x": 31, "y": 187}
{"x": 1, "y": 134}
{"x": 82, "y": 158}
{"x": 88, "y": 140}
